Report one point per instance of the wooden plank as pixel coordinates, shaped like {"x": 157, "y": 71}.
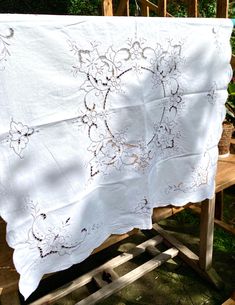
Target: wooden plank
{"x": 123, "y": 8}
{"x": 206, "y": 233}
{"x": 144, "y": 8}
{"x": 217, "y": 222}
{"x": 10, "y": 298}
{"x": 107, "y": 7}
{"x": 153, "y": 7}
{"x": 229, "y": 302}
{"x": 86, "y": 278}
{"x": 233, "y": 62}
{"x": 165, "y": 212}
{"x": 219, "y": 205}
{"x": 225, "y": 173}
{"x": 129, "y": 277}
{"x": 113, "y": 239}
{"x": 192, "y": 8}
{"x": 162, "y": 8}
{"x": 185, "y": 253}
{"x": 189, "y": 257}
{"x": 127, "y": 8}
{"x": 222, "y": 8}
{"x": 104, "y": 278}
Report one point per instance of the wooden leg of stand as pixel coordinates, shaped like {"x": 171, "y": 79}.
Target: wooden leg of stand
{"x": 11, "y": 298}
{"x": 206, "y": 233}
{"x": 219, "y": 205}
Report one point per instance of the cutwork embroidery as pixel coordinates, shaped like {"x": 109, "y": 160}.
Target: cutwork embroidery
{"x": 198, "y": 178}
{"x": 212, "y": 94}
{"x": 104, "y": 73}
{"x": 4, "y": 44}
{"x": 50, "y": 239}
{"x": 19, "y": 136}
{"x": 144, "y": 207}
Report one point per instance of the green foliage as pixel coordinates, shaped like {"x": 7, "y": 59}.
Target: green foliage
{"x": 85, "y": 7}
{"x": 177, "y": 8}
{"x": 207, "y": 8}
{"x": 224, "y": 241}
{"x": 34, "y": 7}
{"x": 230, "y": 104}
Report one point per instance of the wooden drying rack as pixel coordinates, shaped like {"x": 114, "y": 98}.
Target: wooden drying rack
{"x": 201, "y": 264}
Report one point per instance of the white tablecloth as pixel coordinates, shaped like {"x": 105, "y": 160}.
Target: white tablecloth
{"x": 101, "y": 120}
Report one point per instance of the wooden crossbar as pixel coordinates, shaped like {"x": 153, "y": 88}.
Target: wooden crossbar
{"x": 129, "y": 278}
{"x": 86, "y": 278}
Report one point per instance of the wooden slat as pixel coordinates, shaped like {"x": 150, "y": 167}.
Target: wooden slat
{"x": 233, "y": 62}
{"x": 129, "y": 278}
{"x": 162, "y": 8}
{"x": 225, "y": 173}
{"x": 222, "y": 8}
{"x": 219, "y": 205}
{"x": 229, "y": 302}
{"x": 113, "y": 239}
{"x": 123, "y": 8}
{"x": 185, "y": 253}
{"x": 189, "y": 257}
{"x": 10, "y": 299}
{"x": 104, "y": 278}
{"x": 192, "y": 8}
{"x": 144, "y": 8}
{"x": 153, "y": 7}
{"x": 206, "y": 233}
{"x": 8, "y": 276}
{"x": 217, "y": 222}
{"x": 86, "y": 278}
{"x": 165, "y": 212}
{"x": 107, "y": 7}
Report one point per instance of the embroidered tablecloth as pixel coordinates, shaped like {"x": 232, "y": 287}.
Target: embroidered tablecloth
{"x": 101, "y": 120}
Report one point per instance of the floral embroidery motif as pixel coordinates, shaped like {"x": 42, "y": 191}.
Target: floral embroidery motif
{"x": 4, "y": 44}
{"x": 212, "y": 95}
{"x": 199, "y": 177}
{"x": 104, "y": 72}
{"x": 50, "y": 239}
{"x": 19, "y": 136}
{"x": 144, "y": 207}
{"x": 217, "y": 33}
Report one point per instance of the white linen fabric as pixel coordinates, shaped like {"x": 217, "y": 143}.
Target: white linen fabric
{"x": 103, "y": 119}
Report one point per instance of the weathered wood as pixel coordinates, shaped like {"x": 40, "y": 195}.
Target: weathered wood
{"x": 8, "y": 276}
{"x": 106, "y": 277}
{"x": 217, "y": 222}
{"x": 153, "y": 7}
{"x": 233, "y": 62}
{"x": 10, "y": 298}
{"x": 206, "y": 233}
{"x": 113, "y": 239}
{"x": 225, "y": 173}
{"x": 189, "y": 257}
{"x": 153, "y": 251}
{"x": 185, "y": 253}
{"x": 145, "y": 8}
{"x": 162, "y": 8}
{"x": 219, "y": 205}
{"x": 229, "y": 302}
{"x": 165, "y": 212}
{"x": 192, "y": 8}
{"x": 123, "y": 8}
{"x": 222, "y": 8}
{"x": 129, "y": 277}
{"x": 86, "y": 278}
{"x": 107, "y": 7}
